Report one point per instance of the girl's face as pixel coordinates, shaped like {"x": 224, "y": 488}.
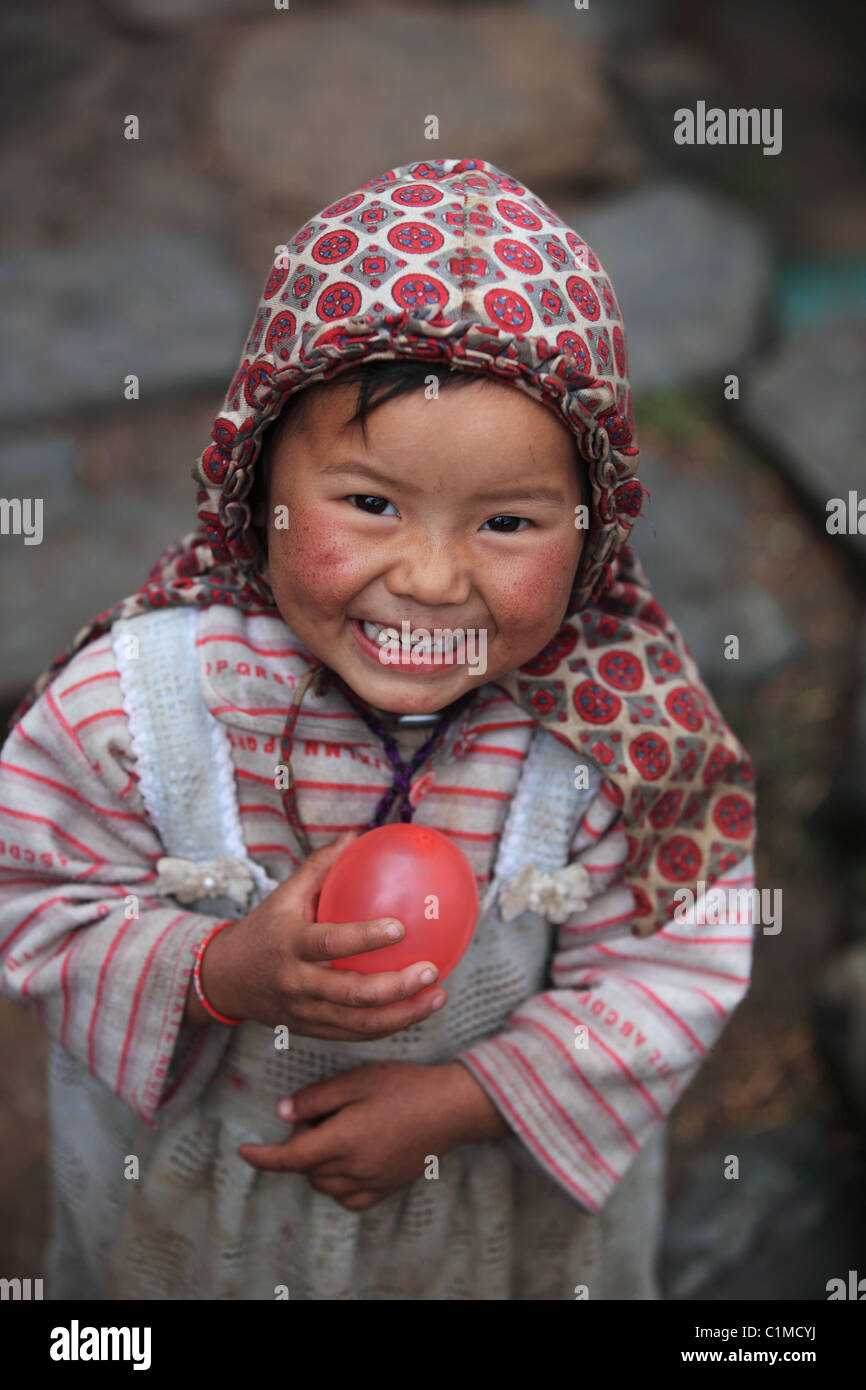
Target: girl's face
{"x": 456, "y": 515}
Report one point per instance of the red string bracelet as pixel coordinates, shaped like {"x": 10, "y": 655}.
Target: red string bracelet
{"x": 196, "y": 975}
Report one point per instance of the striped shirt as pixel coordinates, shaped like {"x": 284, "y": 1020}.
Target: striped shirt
{"x": 583, "y": 1072}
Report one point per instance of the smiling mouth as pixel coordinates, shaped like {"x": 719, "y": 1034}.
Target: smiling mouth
{"x": 442, "y": 640}
{"x": 407, "y": 648}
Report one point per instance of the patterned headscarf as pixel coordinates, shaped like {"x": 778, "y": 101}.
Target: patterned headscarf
{"x": 454, "y": 263}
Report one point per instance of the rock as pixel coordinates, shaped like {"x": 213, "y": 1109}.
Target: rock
{"x": 113, "y": 496}
{"x": 627, "y": 20}
{"x": 840, "y": 1023}
{"x": 163, "y": 16}
{"x": 657, "y": 78}
{"x": 815, "y": 77}
{"x": 68, "y": 170}
{"x": 313, "y": 104}
{"x": 43, "y": 468}
{"x": 56, "y": 587}
{"x": 667, "y": 73}
{"x": 807, "y": 405}
{"x": 855, "y": 762}
{"x": 780, "y": 1230}
{"x": 839, "y": 819}
{"x": 692, "y": 276}
{"x": 692, "y": 539}
{"x": 41, "y": 61}
{"x": 76, "y": 321}
{"x": 815, "y": 293}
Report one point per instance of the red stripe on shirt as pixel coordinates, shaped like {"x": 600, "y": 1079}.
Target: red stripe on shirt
{"x": 601, "y": 922}
{"x": 535, "y": 1083}
{"x": 242, "y": 775}
{"x": 100, "y": 985}
{"x": 64, "y": 987}
{"x": 468, "y": 834}
{"x": 136, "y": 1001}
{"x": 531, "y": 1139}
{"x": 260, "y": 651}
{"x": 194, "y": 1054}
{"x": 468, "y": 791}
{"x": 172, "y": 1001}
{"x": 64, "y": 722}
{"x": 715, "y": 1003}
{"x": 262, "y": 810}
{"x": 46, "y": 820}
{"x": 679, "y": 965}
{"x": 573, "y": 1064}
{"x": 666, "y": 1009}
{"x": 25, "y": 986}
{"x": 704, "y": 940}
{"x": 95, "y": 651}
{"x": 58, "y": 898}
{"x": 277, "y": 710}
{"x": 103, "y": 714}
{"x": 280, "y": 849}
{"x": 498, "y": 752}
{"x": 642, "y": 1090}
{"x": 68, "y": 791}
{"x": 338, "y": 787}
{"x": 88, "y": 680}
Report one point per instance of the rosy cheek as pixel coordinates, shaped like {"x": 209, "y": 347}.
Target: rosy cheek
{"x": 536, "y": 593}
{"x": 318, "y": 555}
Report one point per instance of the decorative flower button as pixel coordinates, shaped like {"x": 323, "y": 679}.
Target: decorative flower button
{"x": 421, "y": 786}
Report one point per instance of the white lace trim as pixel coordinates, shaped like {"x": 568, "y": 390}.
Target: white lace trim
{"x": 184, "y": 764}
{"x": 139, "y": 724}
{"x": 233, "y": 837}
{"x": 537, "y": 836}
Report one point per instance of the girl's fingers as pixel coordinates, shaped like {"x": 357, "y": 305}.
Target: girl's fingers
{"x": 369, "y": 1024}
{"x": 307, "y": 880}
{"x": 360, "y": 1201}
{"x": 326, "y": 941}
{"x": 295, "y": 1155}
{"x": 351, "y": 989}
{"x": 346, "y": 1192}
{"x": 320, "y": 1098}
{"x": 335, "y": 1169}
{"x": 332, "y": 1184}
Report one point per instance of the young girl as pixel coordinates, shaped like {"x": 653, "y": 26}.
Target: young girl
{"x": 430, "y": 425}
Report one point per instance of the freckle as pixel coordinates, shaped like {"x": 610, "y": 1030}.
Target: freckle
{"x": 331, "y": 557}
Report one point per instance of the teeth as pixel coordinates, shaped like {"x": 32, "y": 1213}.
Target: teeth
{"x": 380, "y": 632}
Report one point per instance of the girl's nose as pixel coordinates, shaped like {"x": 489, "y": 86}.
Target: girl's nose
{"x": 430, "y": 574}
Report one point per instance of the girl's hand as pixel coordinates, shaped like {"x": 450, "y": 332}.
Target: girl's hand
{"x": 370, "y": 1131}
{"x": 274, "y": 966}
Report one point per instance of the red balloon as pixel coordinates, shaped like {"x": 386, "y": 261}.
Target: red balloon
{"x": 415, "y": 874}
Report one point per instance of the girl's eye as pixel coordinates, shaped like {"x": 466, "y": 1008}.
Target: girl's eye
{"x": 505, "y": 525}
{"x": 368, "y": 502}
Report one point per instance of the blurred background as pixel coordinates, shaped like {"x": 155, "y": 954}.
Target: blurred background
{"x": 149, "y": 255}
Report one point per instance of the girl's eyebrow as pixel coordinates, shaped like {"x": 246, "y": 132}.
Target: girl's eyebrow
{"x": 363, "y": 470}
{"x": 549, "y": 496}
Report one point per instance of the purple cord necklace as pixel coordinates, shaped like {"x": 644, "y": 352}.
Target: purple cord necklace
{"x": 403, "y": 772}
